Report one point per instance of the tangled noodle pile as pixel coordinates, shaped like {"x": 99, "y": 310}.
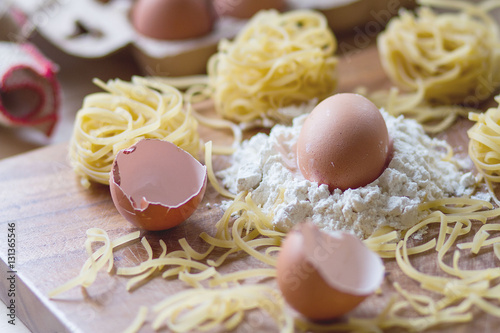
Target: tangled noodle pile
{"x": 277, "y": 60}
{"x": 447, "y": 62}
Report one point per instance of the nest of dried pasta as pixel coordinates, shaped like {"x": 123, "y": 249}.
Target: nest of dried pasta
{"x": 277, "y": 60}
{"x": 445, "y": 63}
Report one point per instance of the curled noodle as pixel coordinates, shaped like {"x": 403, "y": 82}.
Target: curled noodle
{"x": 484, "y": 145}
{"x": 277, "y": 60}
{"x": 442, "y": 64}
{"x": 454, "y": 56}
{"x": 121, "y": 116}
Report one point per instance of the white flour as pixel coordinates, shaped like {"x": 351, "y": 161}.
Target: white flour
{"x": 416, "y": 173}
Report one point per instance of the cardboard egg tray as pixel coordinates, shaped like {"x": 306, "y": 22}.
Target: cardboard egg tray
{"x": 94, "y": 29}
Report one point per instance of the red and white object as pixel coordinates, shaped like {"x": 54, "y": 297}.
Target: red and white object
{"x": 29, "y": 90}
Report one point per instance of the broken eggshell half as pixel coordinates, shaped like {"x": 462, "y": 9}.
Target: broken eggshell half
{"x": 156, "y": 185}
{"x": 325, "y": 275}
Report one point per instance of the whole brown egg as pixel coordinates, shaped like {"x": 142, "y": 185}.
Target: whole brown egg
{"x": 343, "y": 143}
{"x": 245, "y": 8}
{"x": 173, "y": 19}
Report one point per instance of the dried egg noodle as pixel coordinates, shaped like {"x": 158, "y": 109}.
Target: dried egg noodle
{"x": 277, "y": 60}
{"x": 455, "y": 292}
{"x": 276, "y": 68}
{"x": 441, "y": 59}
{"x": 484, "y": 145}
{"x": 212, "y": 300}
{"x": 116, "y": 119}
{"x": 434, "y": 119}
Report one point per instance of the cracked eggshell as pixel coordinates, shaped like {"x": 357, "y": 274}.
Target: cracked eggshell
{"x": 156, "y": 185}
{"x": 325, "y": 275}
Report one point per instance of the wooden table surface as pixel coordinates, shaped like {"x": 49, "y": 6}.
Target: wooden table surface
{"x": 51, "y": 211}
{"x": 75, "y": 76}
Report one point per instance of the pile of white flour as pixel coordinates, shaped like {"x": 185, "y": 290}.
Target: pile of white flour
{"x": 417, "y": 172}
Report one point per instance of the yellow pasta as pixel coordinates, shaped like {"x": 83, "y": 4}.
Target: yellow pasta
{"x": 288, "y": 59}
{"x": 213, "y": 300}
{"x": 277, "y": 60}
{"x": 196, "y": 93}
{"x": 126, "y": 113}
{"x": 207, "y": 309}
{"x": 455, "y": 56}
{"x": 211, "y": 174}
{"x": 446, "y": 63}
{"x": 139, "y": 320}
{"x": 97, "y": 259}
{"x": 139, "y": 279}
{"x": 460, "y": 292}
{"x": 484, "y": 145}
{"x": 433, "y": 118}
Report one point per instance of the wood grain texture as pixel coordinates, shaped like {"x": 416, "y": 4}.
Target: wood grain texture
{"x": 51, "y": 211}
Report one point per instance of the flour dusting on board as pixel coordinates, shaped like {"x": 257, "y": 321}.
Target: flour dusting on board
{"x": 265, "y": 164}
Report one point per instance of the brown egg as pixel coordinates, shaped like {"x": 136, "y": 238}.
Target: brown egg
{"x": 324, "y": 276}
{"x": 156, "y": 185}
{"x": 173, "y": 19}
{"x": 343, "y": 143}
{"x": 245, "y": 8}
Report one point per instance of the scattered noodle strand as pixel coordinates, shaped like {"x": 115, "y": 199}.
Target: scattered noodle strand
{"x": 88, "y": 274}
{"x": 139, "y": 321}
{"x": 210, "y": 172}
{"x": 214, "y": 300}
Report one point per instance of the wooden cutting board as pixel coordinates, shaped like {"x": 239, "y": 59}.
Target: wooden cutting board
{"x": 42, "y": 198}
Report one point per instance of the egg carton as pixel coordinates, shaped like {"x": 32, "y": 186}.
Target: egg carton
{"x": 95, "y": 29}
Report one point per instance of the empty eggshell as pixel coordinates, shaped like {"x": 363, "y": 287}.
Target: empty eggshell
{"x": 156, "y": 185}
{"x": 325, "y": 275}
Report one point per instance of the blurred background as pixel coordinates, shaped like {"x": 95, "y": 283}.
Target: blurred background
{"x": 89, "y": 39}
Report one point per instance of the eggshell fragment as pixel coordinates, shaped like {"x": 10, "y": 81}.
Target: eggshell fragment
{"x": 343, "y": 143}
{"x": 325, "y": 275}
{"x": 156, "y": 185}
{"x": 173, "y": 19}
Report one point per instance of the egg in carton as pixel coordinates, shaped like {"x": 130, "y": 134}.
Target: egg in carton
{"x": 97, "y": 28}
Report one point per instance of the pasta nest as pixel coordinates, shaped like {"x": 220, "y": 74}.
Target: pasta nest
{"x": 484, "y": 145}
{"x": 277, "y": 60}
{"x": 118, "y": 118}
{"x": 454, "y": 56}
